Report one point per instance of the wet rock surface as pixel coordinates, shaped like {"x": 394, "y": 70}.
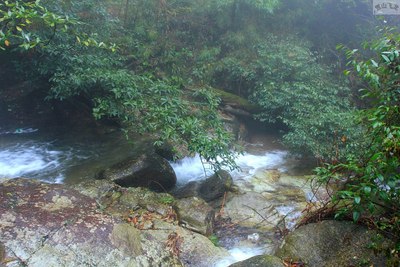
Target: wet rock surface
{"x": 215, "y": 186}
{"x": 260, "y": 261}
{"x": 55, "y": 225}
{"x": 148, "y": 170}
{"x": 196, "y": 214}
{"x": 331, "y": 243}
{"x": 212, "y": 188}
{"x": 269, "y": 200}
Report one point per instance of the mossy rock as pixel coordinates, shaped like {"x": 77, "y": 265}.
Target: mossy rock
{"x": 236, "y": 101}
{"x": 331, "y": 243}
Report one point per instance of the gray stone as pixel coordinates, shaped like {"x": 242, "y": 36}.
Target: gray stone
{"x": 150, "y": 171}
{"x": 331, "y": 243}
{"x": 260, "y": 261}
{"x": 210, "y": 189}
{"x": 195, "y": 250}
{"x": 127, "y": 238}
{"x": 215, "y": 186}
{"x": 54, "y": 225}
{"x": 188, "y": 190}
{"x": 196, "y": 215}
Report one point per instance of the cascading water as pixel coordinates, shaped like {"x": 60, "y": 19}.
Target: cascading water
{"x": 29, "y": 152}
{"x": 192, "y": 169}
{"x": 259, "y": 157}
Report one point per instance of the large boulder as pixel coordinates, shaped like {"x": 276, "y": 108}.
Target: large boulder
{"x": 54, "y": 225}
{"x": 331, "y": 243}
{"x": 149, "y": 170}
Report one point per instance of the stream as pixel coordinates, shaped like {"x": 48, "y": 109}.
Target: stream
{"x": 59, "y": 157}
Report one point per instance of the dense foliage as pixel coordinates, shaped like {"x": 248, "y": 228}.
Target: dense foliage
{"x": 372, "y": 188}
{"x": 167, "y": 54}
{"x": 81, "y": 66}
{"x": 26, "y": 24}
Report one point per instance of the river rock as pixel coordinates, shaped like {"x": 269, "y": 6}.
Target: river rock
{"x": 196, "y": 215}
{"x": 260, "y": 261}
{"x": 210, "y": 189}
{"x": 251, "y": 209}
{"x": 215, "y": 186}
{"x": 331, "y": 243}
{"x": 151, "y": 171}
{"x": 195, "y": 250}
{"x": 190, "y": 189}
{"x": 54, "y": 225}
{"x": 265, "y": 211}
{"x": 166, "y": 150}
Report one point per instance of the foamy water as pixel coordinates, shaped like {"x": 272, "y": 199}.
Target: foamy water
{"x": 24, "y": 154}
{"x": 33, "y": 159}
{"x": 240, "y": 254}
{"x": 191, "y": 168}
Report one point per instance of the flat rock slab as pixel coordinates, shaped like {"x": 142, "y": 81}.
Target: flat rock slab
{"x": 51, "y": 225}
{"x": 55, "y": 225}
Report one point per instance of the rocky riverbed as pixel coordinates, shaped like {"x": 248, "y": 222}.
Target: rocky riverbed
{"x": 204, "y": 219}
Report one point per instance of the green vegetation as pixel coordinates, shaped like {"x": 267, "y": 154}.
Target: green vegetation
{"x": 214, "y": 239}
{"x": 19, "y": 21}
{"x": 153, "y": 66}
{"x": 372, "y": 190}
{"x": 167, "y": 200}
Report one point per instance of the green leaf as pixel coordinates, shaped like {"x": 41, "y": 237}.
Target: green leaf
{"x": 367, "y": 190}
{"x": 356, "y": 216}
{"x": 385, "y": 58}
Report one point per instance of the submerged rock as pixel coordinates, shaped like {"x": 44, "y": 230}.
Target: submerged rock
{"x": 151, "y": 171}
{"x": 331, "y": 243}
{"x": 54, "y": 225}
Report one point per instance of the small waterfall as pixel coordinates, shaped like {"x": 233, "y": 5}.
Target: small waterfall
{"x": 192, "y": 169}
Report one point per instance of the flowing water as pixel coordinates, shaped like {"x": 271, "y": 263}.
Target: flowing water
{"x": 60, "y": 157}
{"x": 57, "y": 155}
{"x": 262, "y": 153}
